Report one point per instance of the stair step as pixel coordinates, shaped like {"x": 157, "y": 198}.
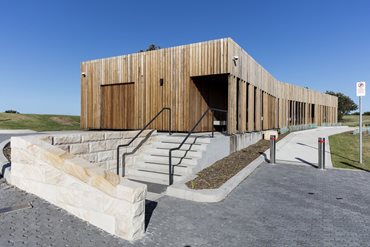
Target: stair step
{"x": 179, "y": 139}
{"x": 176, "y": 153}
{"x": 152, "y": 187}
{"x": 162, "y": 168}
{"x": 168, "y": 145}
{"x": 153, "y": 177}
{"x": 147, "y": 179}
{"x": 150, "y": 196}
{"x": 165, "y": 160}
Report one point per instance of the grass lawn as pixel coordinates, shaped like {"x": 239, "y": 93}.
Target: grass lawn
{"x": 39, "y": 122}
{"x": 352, "y": 120}
{"x": 345, "y": 151}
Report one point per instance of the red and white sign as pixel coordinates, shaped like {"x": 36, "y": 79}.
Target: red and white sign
{"x": 360, "y": 88}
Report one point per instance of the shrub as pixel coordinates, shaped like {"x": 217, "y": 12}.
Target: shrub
{"x": 12, "y": 111}
{"x": 366, "y": 113}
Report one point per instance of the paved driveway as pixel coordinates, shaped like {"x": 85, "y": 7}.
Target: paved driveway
{"x": 278, "y": 205}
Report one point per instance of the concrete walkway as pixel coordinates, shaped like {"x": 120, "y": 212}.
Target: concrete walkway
{"x": 301, "y": 147}
{"x": 7, "y": 134}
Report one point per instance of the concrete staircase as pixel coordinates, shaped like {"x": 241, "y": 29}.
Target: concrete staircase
{"x": 151, "y": 164}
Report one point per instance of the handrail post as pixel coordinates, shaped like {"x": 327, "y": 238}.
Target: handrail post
{"x": 170, "y": 168}
{"x": 170, "y": 121}
{"x": 213, "y": 123}
{"x": 117, "y": 160}
{"x": 170, "y": 178}
{"x": 142, "y": 129}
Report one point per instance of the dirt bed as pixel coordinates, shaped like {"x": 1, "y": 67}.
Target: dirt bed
{"x": 6, "y": 151}
{"x": 217, "y": 174}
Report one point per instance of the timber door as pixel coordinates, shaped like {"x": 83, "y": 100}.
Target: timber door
{"x": 117, "y": 106}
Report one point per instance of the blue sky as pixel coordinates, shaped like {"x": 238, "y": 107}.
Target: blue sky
{"x": 321, "y": 44}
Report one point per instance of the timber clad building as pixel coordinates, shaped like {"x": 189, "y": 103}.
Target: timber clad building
{"x": 125, "y": 92}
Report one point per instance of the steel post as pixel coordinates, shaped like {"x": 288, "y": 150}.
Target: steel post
{"x": 273, "y": 149}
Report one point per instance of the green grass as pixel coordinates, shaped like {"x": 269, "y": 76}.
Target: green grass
{"x": 39, "y": 122}
{"x": 352, "y": 120}
{"x": 344, "y": 149}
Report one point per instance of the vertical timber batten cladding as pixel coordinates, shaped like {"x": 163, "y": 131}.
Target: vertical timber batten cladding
{"x": 125, "y": 92}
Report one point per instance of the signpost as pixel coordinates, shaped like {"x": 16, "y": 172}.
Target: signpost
{"x": 360, "y": 92}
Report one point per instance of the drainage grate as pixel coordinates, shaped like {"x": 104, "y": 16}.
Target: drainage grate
{"x": 15, "y": 208}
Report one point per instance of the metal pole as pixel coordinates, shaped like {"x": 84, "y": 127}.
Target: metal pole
{"x": 170, "y": 120}
{"x": 273, "y": 149}
{"x": 320, "y": 153}
{"x": 360, "y": 127}
{"x": 170, "y": 179}
{"x": 117, "y": 161}
{"x": 213, "y": 124}
{"x": 323, "y": 153}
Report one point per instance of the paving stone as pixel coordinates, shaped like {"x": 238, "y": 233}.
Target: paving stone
{"x": 270, "y": 208}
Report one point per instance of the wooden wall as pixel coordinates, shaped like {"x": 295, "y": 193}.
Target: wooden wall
{"x": 255, "y": 100}
{"x": 174, "y": 65}
{"x": 117, "y": 106}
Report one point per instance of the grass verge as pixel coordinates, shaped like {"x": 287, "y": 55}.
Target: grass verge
{"x": 344, "y": 149}
{"x": 352, "y": 120}
{"x": 218, "y": 173}
{"x": 39, "y": 122}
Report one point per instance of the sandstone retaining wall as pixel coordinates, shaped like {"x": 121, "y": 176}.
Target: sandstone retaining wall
{"x": 100, "y": 197}
{"x": 96, "y": 147}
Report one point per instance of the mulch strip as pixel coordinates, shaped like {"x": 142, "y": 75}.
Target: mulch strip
{"x": 7, "y": 151}
{"x": 222, "y": 170}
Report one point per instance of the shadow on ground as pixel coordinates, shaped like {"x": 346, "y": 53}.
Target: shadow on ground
{"x": 149, "y": 209}
{"x": 332, "y": 153}
{"x": 353, "y": 166}
{"x": 306, "y": 162}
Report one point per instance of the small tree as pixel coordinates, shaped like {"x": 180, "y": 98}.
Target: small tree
{"x": 12, "y": 111}
{"x": 345, "y": 104}
{"x": 151, "y": 47}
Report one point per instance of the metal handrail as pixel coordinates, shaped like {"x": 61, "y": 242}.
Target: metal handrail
{"x": 141, "y": 131}
{"x": 134, "y": 151}
{"x": 170, "y": 170}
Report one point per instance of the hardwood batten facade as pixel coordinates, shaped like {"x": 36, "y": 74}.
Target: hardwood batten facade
{"x": 125, "y": 92}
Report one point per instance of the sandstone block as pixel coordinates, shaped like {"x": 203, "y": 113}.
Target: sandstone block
{"x": 103, "y": 221}
{"x": 64, "y": 147}
{"x": 107, "y": 155}
{"x": 76, "y": 167}
{"x": 112, "y": 144}
{"x": 93, "y": 137}
{"x": 48, "y": 139}
{"x": 111, "y": 165}
{"x": 97, "y": 146}
{"x": 91, "y": 157}
{"x": 72, "y": 183}
{"x": 66, "y": 139}
{"x": 131, "y": 191}
{"x": 113, "y": 135}
{"x": 79, "y": 148}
